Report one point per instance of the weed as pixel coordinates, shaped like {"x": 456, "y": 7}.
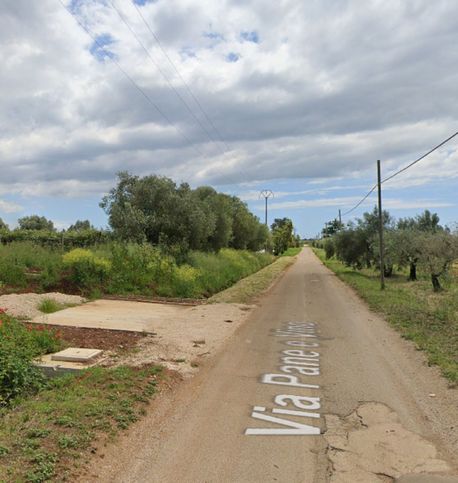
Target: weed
{"x": 247, "y": 289}
{"x": 291, "y": 252}
{"x": 45, "y": 434}
{"x": 68, "y": 441}
{"x": 49, "y": 306}
{"x": 19, "y": 345}
{"x": 3, "y": 451}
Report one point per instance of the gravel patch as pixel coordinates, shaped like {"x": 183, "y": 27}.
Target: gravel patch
{"x": 25, "y": 305}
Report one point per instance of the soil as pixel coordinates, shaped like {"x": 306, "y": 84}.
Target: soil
{"x": 112, "y": 340}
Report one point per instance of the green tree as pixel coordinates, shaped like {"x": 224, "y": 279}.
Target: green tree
{"x": 437, "y": 252}
{"x": 245, "y": 227}
{"x": 331, "y": 228}
{"x": 282, "y": 234}
{"x": 81, "y": 225}
{"x": 3, "y": 225}
{"x": 35, "y": 222}
{"x": 426, "y": 222}
{"x": 351, "y": 247}
{"x": 155, "y": 209}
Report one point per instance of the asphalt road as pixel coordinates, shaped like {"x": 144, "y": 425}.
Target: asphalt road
{"x": 312, "y": 388}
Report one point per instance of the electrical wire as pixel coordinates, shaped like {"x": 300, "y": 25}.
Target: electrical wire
{"x": 360, "y": 202}
{"x": 151, "y": 58}
{"x": 196, "y": 100}
{"x": 132, "y": 81}
{"x": 420, "y": 158}
{"x": 400, "y": 171}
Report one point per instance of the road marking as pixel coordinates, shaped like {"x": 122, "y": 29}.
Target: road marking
{"x": 305, "y": 360}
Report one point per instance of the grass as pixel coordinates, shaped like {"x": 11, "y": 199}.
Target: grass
{"x": 49, "y": 436}
{"x": 49, "y": 306}
{"x": 123, "y": 269}
{"x": 248, "y": 288}
{"x": 291, "y": 252}
{"x": 428, "y": 319}
{"x": 218, "y": 271}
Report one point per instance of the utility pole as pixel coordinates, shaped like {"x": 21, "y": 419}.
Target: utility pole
{"x": 380, "y": 222}
{"x": 266, "y": 194}
{"x": 340, "y": 219}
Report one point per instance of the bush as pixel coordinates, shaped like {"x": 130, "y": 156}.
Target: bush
{"x": 18, "y": 347}
{"x": 185, "y": 282}
{"x": 11, "y": 273}
{"x": 329, "y": 248}
{"x": 138, "y": 268}
{"x": 21, "y": 262}
{"x": 86, "y": 270}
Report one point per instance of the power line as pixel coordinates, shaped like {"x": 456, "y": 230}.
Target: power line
{"x": 361, "y": 201}
{"x": 132, "y": 81}
{"x": 180, "y": 97}
{"x": 400, "y": 171}
{"x": 420, "y": 158}
{"x": 196, "y": 100}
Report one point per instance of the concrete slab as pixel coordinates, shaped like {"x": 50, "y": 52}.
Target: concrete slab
{"x": 74, "y": 354}
{"x": 53, "y": 368}
{"x": 116, "y": 315}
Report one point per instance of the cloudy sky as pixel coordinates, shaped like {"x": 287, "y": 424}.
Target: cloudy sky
{"x": 300, "y": 97}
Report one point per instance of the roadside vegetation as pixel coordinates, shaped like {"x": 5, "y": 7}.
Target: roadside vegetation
{"x": 49, "y": 427}
{"x": 247, "y": 289}
{"x": 123, "y": 268}
{"x": 292, "y": 252}
{"x": 421, "y": 278}
{"x": 164, "y": 240}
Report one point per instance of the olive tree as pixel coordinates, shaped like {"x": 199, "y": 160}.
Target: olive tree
{"x": 157, "y": 210}
{"x": 35, "y": 222}
{"x": 437, "y": 251}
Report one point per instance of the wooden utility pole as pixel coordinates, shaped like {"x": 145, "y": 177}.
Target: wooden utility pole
{"x": 380, "y": 222}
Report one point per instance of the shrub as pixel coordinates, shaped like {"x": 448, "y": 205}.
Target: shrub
{"x": 329, "y": 248}
{"x": 24, "y": 261}
{"x": 138, "y": 268}
{"x": 185, "y": 282}
{"x": 86, "y": 270}
{"x": 11, "y": 273}
{"x": 18, "y": 347}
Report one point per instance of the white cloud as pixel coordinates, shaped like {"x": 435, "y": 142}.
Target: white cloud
{"x": 9, "y": 207}
{"x": 326, "y": 91}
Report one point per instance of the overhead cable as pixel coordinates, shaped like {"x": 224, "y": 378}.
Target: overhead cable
{"x": 361, "y": 201}
{"x": 132, "y": 81}
{"x": 196, "y": 100}
{"x": 151, "y": 58}
{"x": 420, "y": 158}
{"x": 401, "y": 171}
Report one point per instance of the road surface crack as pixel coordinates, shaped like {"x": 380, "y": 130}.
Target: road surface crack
{"x": 370, "y": 444}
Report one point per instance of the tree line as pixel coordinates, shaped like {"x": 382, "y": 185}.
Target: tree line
{"x": 175, "y": 217}
{"x": 416, "y": 243}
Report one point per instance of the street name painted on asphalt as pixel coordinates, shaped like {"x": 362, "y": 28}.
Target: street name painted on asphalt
{"x": 300, "y": 357}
